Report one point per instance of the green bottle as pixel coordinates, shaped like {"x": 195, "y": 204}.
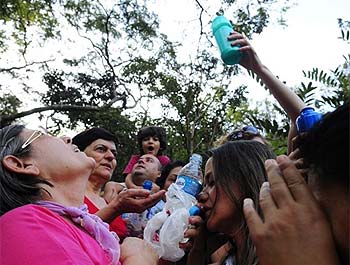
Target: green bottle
{"x": 222, "y": 28}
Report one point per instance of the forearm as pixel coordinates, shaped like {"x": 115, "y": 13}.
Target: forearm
{"x": 108, "y": 213}
{"x": 139, "y": 260}
{"x": 135, "y": 251}
{"x": 291, "y": 134}
{"x": 289, "y": 101}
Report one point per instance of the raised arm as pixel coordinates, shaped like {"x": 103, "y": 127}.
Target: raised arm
{"x": 288, "y": 100}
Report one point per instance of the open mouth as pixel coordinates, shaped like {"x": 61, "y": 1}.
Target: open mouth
{"x": 76, "y": 149}
{"x": 107, "y": 166}
{"x": 207, "y": 214}
{"x": 150, "y": 148}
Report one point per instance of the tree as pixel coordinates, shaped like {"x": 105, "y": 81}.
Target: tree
{"x": 200, "y": 102}
{"x": 124, "y": 59}
{"x": 102, "y": 28}
{"x": 335, "y": 84}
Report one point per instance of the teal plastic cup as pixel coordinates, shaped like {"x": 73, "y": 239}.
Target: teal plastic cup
{"x": 222, "y": 28}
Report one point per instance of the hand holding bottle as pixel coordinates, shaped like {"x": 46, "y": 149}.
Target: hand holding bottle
{"x": 250, "y": 59}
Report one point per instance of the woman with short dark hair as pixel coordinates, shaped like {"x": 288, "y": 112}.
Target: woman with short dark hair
{"x": 43, "y": 219}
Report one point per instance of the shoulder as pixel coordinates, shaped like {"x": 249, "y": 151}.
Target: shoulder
{"x": 31, "y": 219}
{"x": 27, "y": 213}
{"x": 131, "y": 163}
{"x": 27, "y": 230}
{"x": 163, "y": 159}
{"x": 134, "y": 157}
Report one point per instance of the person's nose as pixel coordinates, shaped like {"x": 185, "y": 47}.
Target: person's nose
{"x": 66, "y": 139}
{"x": 109, "y": 155}
{"x": 151, "y": 140}
{"x": 203, "y": 196}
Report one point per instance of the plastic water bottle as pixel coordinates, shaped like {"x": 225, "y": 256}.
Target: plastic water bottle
{"x": 189, "y": 178}
{"x": 193, "y": 211}
{"x": 136, "y": 222}
{"x": 166, "y": 229}
{"x": 222, "y": 28}
{"x": 307, "y": 119}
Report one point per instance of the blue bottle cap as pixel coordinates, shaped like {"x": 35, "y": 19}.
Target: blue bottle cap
{"x": 147, "y": 185}
{"x": 307, "y": 119}
{"x": 194, "y": 210}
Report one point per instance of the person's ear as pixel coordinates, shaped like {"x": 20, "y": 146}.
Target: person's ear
{"x": 14, "y": 164}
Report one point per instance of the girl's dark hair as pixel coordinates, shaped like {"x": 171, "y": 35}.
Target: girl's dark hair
{"x": 166, "y": 170}
{"x": 325, "y": 147}
{"x": 242, "y": 163}
{"x": 16, "y": 189}
{"x": 150, "y": 132}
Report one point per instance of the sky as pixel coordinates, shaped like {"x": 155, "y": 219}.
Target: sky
{"x": 310, "y": 39}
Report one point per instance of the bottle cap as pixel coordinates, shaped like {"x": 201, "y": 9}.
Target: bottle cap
{"x": 307, "y": 119}
{"x": 194, "y": 210}
{"x": 147, "y": 185}
{"x": 196, "y": 157}
{"x": 220, "y": 21}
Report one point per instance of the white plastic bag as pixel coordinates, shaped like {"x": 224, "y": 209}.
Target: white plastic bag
{"x": 176, "y": 198}
{"x": 166, "y": 229}
{"x": 172, "y": 233}
{"x": 152, "y": 230}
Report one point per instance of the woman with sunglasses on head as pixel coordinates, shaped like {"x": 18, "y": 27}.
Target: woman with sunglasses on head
{"x": 217, "y": 245}
{"x": 234, "y": 171}
{"x": 248, "y": 132}
{"x": 43, "y": 180}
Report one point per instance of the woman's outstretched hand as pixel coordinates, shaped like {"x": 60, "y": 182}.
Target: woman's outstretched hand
{"x": 250, "y": 59}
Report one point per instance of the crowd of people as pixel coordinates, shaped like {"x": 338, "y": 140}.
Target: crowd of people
{"x": 59, "y": 205}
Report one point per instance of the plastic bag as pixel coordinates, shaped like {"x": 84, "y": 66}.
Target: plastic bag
{"x": 166, "y": 229}
{"x": 172, "y": 233}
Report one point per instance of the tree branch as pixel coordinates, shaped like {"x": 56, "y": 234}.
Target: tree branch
{"x": 24, "y": 66}
{"x": 7, "y": 118}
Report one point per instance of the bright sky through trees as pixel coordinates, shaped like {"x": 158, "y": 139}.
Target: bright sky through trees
{"x": 310, "y": 39}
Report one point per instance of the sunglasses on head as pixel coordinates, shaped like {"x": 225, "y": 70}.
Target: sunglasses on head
{"x": 242, "y": 134}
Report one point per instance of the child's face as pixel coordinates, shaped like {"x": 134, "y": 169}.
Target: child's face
{"x": 151, "y": 145}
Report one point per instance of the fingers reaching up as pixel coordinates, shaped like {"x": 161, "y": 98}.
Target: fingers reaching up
{"x": 293, "y": 230}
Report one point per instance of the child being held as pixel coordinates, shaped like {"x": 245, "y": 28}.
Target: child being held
{"x": 151, "y": 140}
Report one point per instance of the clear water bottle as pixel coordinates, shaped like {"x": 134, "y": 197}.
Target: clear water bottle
{"x": 222, "y": 28}
{"x": 136, "y": 222}
{"x": 307, "y": 119}
{"x": 166, "y": 229}
{"x": 189, "y": 178}
{"x": 193, "y": 211}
